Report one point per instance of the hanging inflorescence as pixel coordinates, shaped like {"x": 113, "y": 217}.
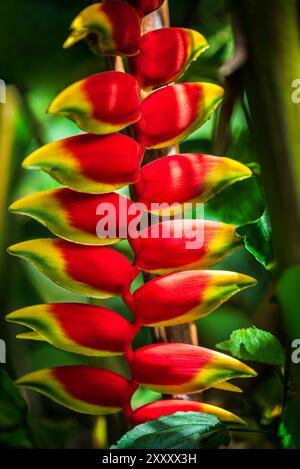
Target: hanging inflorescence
{"x": 93, "y": 166}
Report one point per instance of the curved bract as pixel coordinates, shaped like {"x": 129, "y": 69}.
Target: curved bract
{"x": 171, "y": 114}
{"x": 90, "y": 163}
{"x": 96, "y": 271}
{"x": 158, "y": 409}
{"x": 78, "y": 328}
{"x": 184, "y": 369}
{"x": 186, "y": 296}
{"x": 84, "y": 389}
{"x": 81, "y": 218}
{"x": 188, "y": 178}
{"x": 101, "y": 104}
{"x": 165, "y": 55}
{"x": 186, "y": 244}
{"x": 111, "y": 28}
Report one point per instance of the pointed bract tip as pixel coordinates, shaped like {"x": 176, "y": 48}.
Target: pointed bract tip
{"x": 30, "y": 336}
{"x": 245, "y": 281}
{"x": 75, "y": 36}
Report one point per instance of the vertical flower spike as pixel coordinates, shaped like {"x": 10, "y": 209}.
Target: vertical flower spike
{"x": 90, "y": 163}
{"x": 175, "y": 245}
{"x": 101, "y": 104}
{"x": 114, "y": 28}
{"x": 158, "y": 409}
{"x": 186, "y": 178}
{"x": 84, "y": 389}
{"x": 165, "y": 55}
{"x": 186, "y": 296}
{"x": 96, "y": 271}
{"x": 78, "y": 328}
{"x": 171, "y": 114}
{"x": 184, "y": 369}
{"x": 144, "y": 7}
{"x": 81, "y": 218}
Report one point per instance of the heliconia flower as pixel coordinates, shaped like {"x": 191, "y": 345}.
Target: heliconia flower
{"x": 165, "y": 55}
{"x": 172, "y": 113}
{"x": 78, "y": 328}
{"x": 158, "y": 409}
{"x": 184, "y": 369}
{"x": 186, "y": 244}
{"x": 186, "y": 178}
{"x": 81, "y": 218}
{"x": 115, "y": 27}
{"x": 144, "y": 7}
{"x": 84, "y": 389}
{"x": 96, "y": 271}
{"x": 90, "y": 163}
{"x": 101, "y": 104}
{"x": 186, "y": 296}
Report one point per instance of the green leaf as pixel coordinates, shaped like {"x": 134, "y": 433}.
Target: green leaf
{"x": 13, "y": 408}
{"x": 182, "y": 430}
{"x": 239, "y": 204}
{"x": 13, "y": 413}
{"x": 289, "y": 429}
{"x": 255, "y": 345}
{"x": 257, "y": 239}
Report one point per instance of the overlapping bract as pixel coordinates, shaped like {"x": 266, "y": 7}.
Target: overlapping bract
{"x": 96, "y": 271}
{"x": 186, "y": 178}
{"x": 77, "y": 217}
{"x": 172, "y": 113}
{"x": 186, "y": 296}
{"x": 111, "y": 28}
{"x": 84, "y": 389}
{"x": 90, "y": 163}
{"x": 165, "y": 54}
{"x": 184, "y": 369}
{"x": 175, "y": 245}
{"x": 157, "y": 409}
{"x": 78, "y": 328}
{"x": 101, "y": 104}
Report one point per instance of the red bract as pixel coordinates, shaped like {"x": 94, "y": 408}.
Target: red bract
{"x": 90, "y": 163}
{"x": 82, "y": 388}
{"x": 111, "y": 28}
{"x": 183, "y": 245}
{"x": 78, "y": 328}
{"x": 144, "y": 7}
{"x": 96, "y": 271}
{"x": 184, "y": 369}
{"x": 186, "y": 296}
{"x": 81, "y": 218}
{"x": 101, "y": 104}
{"x": 171, "y": 114}
{"x": 158, "y": 409}
{"x": 186, "y": 178}
{"x": 165, "y": 55}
